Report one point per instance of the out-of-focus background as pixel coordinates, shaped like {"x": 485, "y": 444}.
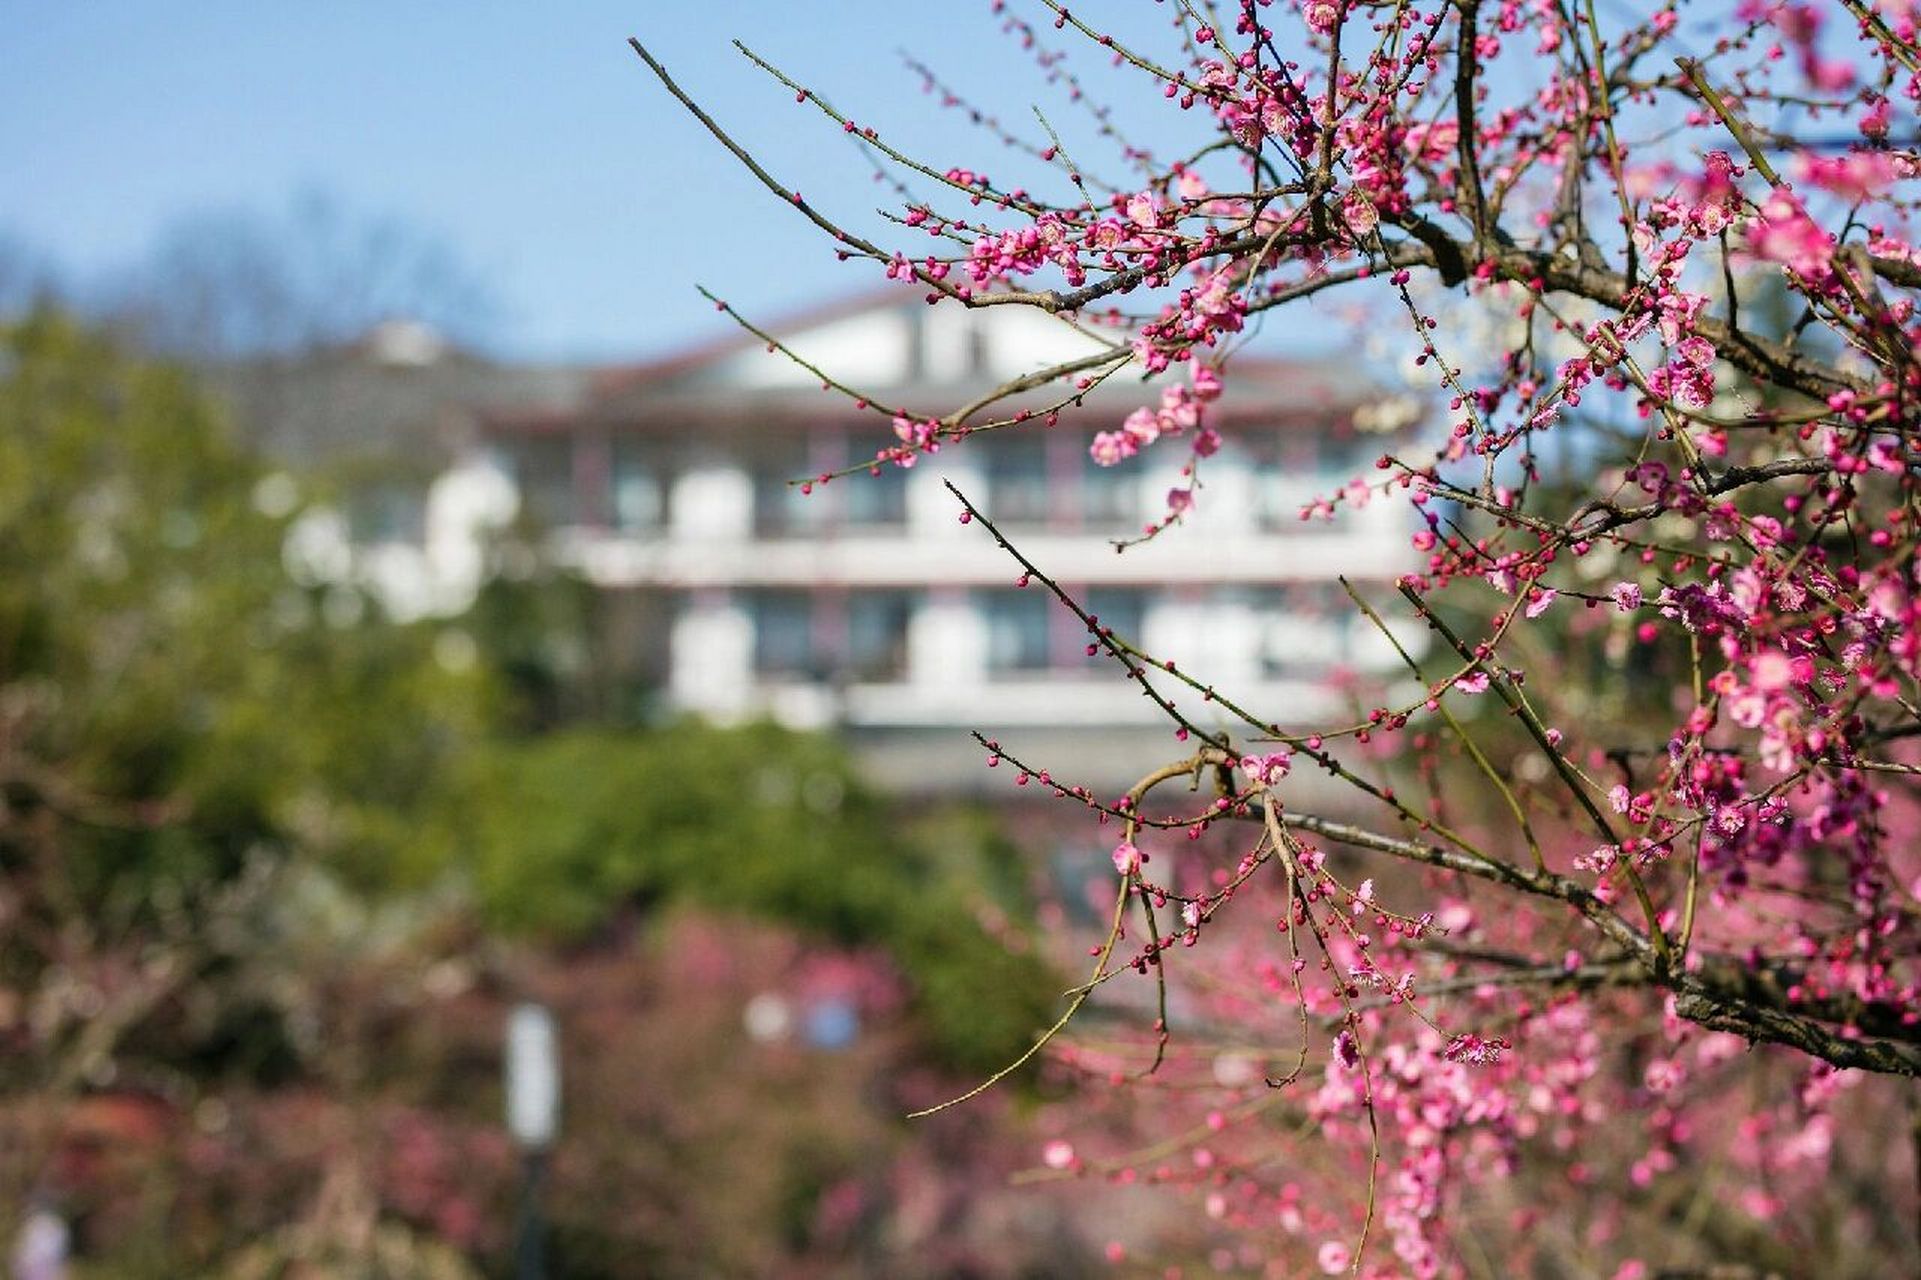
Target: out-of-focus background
{"x": 406, "y": 615}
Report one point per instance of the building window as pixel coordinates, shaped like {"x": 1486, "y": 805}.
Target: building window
{"x": 543, "y": 468}
{"x": 1293, "y": 470}
{"x": 781, "y": 510}
{"x": 1110, "y": 496}
{"x": 877, "y": 634}
{"x": 1121, "y": 610}
{"x": 386, "y": 512}
{"x": 783, "y": 633}
{"x": 1306, "y": 629}
{"x": 640, "y": 488}
{"x": 1016, "y": 629}
{"x": 879, "y": 498}
{"x": 1017, "y": 489}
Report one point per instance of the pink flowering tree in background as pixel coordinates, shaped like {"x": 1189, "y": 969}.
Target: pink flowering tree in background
{"x": 1616, "y": 930}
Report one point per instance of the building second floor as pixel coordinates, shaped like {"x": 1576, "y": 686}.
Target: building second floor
{"x": 733, "y": 466}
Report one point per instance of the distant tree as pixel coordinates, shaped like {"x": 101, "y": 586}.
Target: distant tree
{"x": 178, "y": 722}
{"x": 227, "y": 285}
{"x": 25, "y": 276}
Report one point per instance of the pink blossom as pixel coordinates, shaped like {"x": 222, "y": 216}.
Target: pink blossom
{"x": 1265, "y": 770}
{"x": 1206, "y": 382}
{"x": 1874, "y": 121}
{"x": 1698, "y": 352}
{"x": 1143, "y": 427}
{"x": 1179, "y": 410}
{"x": 1434, "y": 143}
{"x": 1362, "y": 217}
{"x": 1785, "y": 234}
{"x": 1475, "y": 1048}
{"x": 1771, "y": 670}
{"x": 1111, "y": 447}
{"x": 1854, "y": 176}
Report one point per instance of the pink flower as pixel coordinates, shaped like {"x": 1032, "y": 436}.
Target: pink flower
{"x": 1542, "y": 598}
{"x": 1142, "y": 427}
{"x": 1698, "y": 352}
{"x": 1481, "y": 1050}
{"x": 1434, "y": 143}
{"x": 1855, "y": 176}
{"x": 1179, "y": 410}
{"x": 1626, "y": 596}
{"x": 1110, "y": 447}
{"x": 1785, "y": 234}
{"x": 1771, "y": 670}
{"x": 1831, "y": 75}
{"x": 1058, "y": 1154}
{"x": 1206, "y": 382}
{"x": 1265, "y": 770}
{"x": 1663, "y": 1075}
{"x": 1678, "y": 312}
{"x": 1361, "y": 215}
{"x": 1874, "y": 121}
{"x": 1127, "y": 858}
{"x": 1599, "y": 860}
{"x": 1333, "y": 1257}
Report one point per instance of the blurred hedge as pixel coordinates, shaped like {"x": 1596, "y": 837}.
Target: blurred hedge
{"x": 565, "y": 832}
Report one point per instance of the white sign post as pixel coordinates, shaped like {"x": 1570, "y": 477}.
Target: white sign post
{"x": 533, "y": 1120}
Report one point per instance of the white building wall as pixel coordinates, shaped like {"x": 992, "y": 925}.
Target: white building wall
{"x": 947, "y": 644}
{"x": 946, "y": 344}
{"x": 870, "y": 349}
{"x": 1214, "y": 638}
{"x": 933, "y": 514}
{"x": 1226, "y": 506}
{"x": 712, "y": 502}
{"x": 712, "y": 669}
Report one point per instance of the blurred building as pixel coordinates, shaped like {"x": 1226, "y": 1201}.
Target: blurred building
{"x": 379, "y": 432}
{"x": 866, "y": 606}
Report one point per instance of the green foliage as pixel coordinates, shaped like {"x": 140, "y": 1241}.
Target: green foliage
{"x": 174, "y": 699}
{"x": 563, "y": 831}
{"x": 533, "y": 632}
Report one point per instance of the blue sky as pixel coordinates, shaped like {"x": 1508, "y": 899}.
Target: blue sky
{"x": 528, "y": 137}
